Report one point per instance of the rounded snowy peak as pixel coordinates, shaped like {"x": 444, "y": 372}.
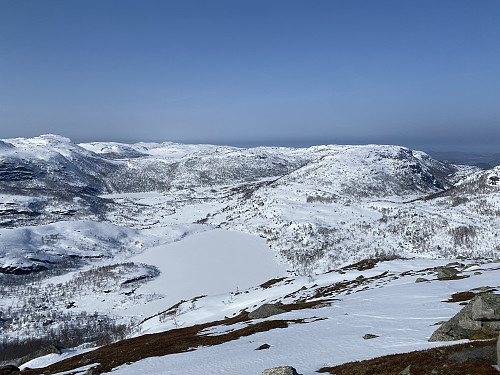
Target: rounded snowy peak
{"x": 5, "y": 145}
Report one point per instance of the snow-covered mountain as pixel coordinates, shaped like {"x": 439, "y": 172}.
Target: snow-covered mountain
{"x": 318, "y": 207}
{"x": 100, "y": 219}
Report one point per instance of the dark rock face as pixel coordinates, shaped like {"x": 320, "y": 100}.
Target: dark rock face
{"x": 283, "y": 370}
{"x": 266, "y": 310}
{"x": 480, "y": 316}
{"x": 39, "y": 353}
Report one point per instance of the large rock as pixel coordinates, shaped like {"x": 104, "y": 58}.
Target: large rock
{"x": 486, "y": 308}
{"x": 480, "y": 316}
{"x": 266, "y": 310}
{"x": 283, "y": 370}
{"x": 39, "y": 353}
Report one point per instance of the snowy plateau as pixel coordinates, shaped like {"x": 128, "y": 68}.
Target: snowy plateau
{"x": 148, "y": 257}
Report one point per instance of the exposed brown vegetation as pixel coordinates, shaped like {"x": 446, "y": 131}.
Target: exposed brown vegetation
{"x": 461, "y": 296}
{"x": 173, "y": 341}
{"x": 344, "y": 286}
{"x": 484, "y": 335}
{"x": 271, "y": 282}
{"x": 160, "y": 344}
{"x": 362, "y": 265}
{"x": 422, "y": 362}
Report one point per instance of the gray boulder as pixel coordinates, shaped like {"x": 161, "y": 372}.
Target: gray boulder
{"x": 266, "y": 310}
{"x": 486, "y": 308}
{"x": 283, "y": 370}
{"x": 39, "y": 353}
{"x": 480, "y": 316}
{"x": 446, "y": 272}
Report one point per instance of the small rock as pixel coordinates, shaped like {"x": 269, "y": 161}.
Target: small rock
{"x": 92, "y": 371}
{"x": 478, "y": 273}
{"x": 369, "y": 336}
{"x": 446, "y": 272}
{"x": 360, "y": 278}
{"x": 406, "y": 371}
{"x": 263, "y": 346}
{"x": 283, "y": 370}
{"x": 421, "y": 280}
{"x": 266, "y": 310}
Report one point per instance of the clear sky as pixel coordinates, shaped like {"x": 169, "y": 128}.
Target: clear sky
{"x": 422, "y": 73}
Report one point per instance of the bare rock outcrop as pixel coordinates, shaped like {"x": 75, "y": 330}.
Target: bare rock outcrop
{"x": 283, "y": 370}
{"x": 266, "y": 310}
{"x": 444, "y": 273}
{"x": 481, "y": 316}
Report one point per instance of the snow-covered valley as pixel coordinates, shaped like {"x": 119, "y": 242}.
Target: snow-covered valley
{"x": 105, "y": 241}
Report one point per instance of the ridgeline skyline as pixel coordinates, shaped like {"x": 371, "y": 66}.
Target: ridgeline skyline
{"x": 283, "y": 73}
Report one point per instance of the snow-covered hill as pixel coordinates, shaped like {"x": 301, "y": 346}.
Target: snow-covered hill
{"x": 100, "y": 219}
{"x": 318, "y": 207}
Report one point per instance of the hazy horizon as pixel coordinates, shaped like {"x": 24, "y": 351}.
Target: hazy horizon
{"x": 419, "y": 74}
{"x": 482, "y": 151}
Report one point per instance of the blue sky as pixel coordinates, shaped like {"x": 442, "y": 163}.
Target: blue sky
{"x": 420, "y": 73}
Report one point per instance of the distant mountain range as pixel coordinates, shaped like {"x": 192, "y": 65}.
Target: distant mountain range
{"x": 456, "y": 157}
{"x": 317, "y": 207}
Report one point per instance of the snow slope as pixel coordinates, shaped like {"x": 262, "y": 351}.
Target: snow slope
{"x": 403, "y": 313}
{"x": 387, "y": 302}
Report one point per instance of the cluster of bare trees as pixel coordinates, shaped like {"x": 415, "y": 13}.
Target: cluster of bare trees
{"x": 34, "y": 313}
